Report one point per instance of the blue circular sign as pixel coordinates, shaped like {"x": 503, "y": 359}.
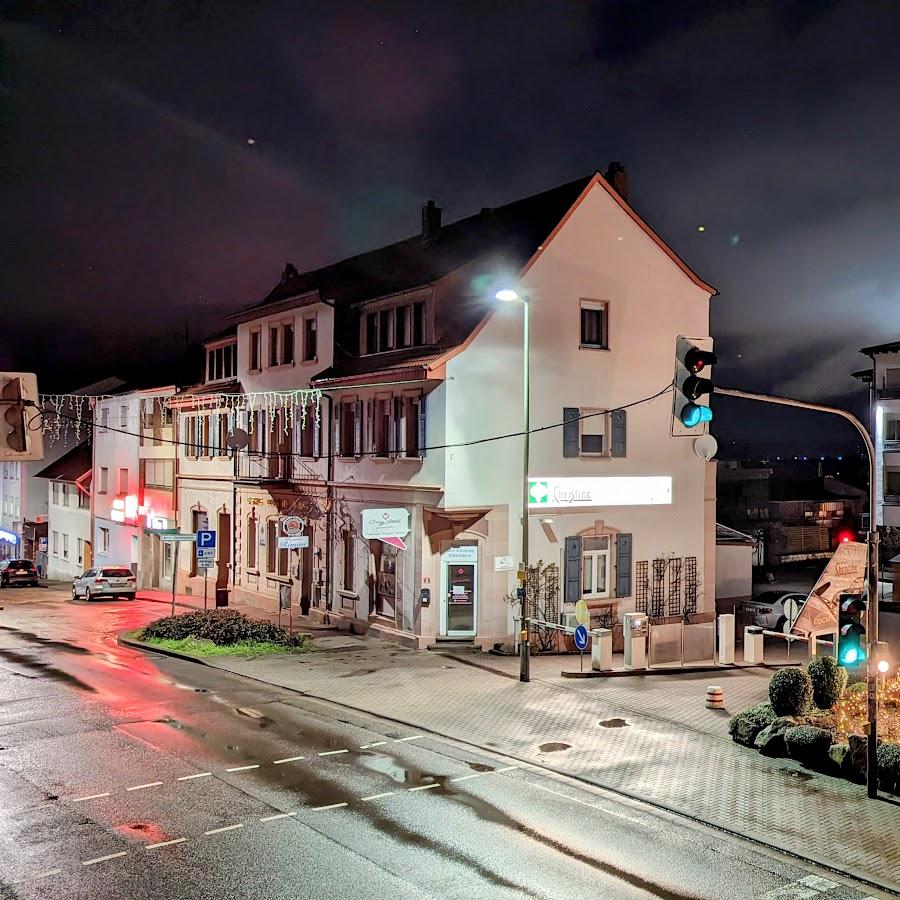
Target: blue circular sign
{"x": 581, "y": 637}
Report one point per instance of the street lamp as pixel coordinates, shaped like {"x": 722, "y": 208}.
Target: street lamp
{"x": 508, "y": 295}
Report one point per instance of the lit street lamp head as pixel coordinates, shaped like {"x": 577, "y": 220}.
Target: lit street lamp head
{"x": 507, "y": 295}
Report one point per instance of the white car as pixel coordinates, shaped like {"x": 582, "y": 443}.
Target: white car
{"x": 105, "y": 581}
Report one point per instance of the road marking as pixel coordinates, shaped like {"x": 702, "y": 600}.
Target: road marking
{"x": 375, "y": 744}
{"x": 505, "y": 769}
{"x": 242, "y": 768}
{"x": 333, "y": 752}
{"x": 277, "y": 816}
{"x": 180, "y": 840}
{"x": 91, "y": 797}
{"x": 468, "y": 777}
{"x": 48, "y": 874}
{"x": 819, "y": 883}
{"x": 224, "y": 828}
{"x": 425, "y": 787}
{"x": 330, "y": 806}
{"x": 414, "y": 737}
{"x": 198, "y": 775}
{"x": 100, "y": 859}
{"x": 377, "y": 796}
{"x": 140, "y": 787}
{"x": 278, "y": 762}
{"x": 252, "y": 713}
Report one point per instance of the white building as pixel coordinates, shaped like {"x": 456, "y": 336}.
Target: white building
{"x": 69, "y": 551}
{"x": 427, "y": 372}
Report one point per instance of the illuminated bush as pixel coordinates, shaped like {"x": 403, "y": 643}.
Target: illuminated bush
{"x": 790, "y": 692}
{"x": 829, "y": 681}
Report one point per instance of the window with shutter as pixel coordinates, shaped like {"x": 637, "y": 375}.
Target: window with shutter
{"x": 358, "y": 428}
{"x": 570, "y": 432}
{"x": 572, "y": 567}
{"x": 618, "y": 428}
{"x": 623, "y": 565}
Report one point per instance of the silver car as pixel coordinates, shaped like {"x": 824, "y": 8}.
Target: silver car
{"x": 105, "y": 581}
{"x": 774, "y": 610}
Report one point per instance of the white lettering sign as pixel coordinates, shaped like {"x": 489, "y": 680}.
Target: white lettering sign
{"x": 643, "y": 490}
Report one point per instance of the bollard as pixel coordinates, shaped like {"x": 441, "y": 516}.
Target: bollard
{"x": 601, "y": 649}
{"x": 753, "y": 645}
{"x": 715, "y": 697}
{"x": 726, "y": 639}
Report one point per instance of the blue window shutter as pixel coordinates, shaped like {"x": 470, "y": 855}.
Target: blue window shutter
{"x": 573, "y": 570}
{"x": 618, "y": 442}
{"x": 623, "y": 565}
{"x": 571, "y": 416}
{"x": 423, "y": 431}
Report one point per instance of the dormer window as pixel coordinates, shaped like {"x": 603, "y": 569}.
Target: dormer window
{"x": 395, "y": 325}
{"x": 221, "y": 362}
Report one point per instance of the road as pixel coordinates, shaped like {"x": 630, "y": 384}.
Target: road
{"x": 126, "y": 775}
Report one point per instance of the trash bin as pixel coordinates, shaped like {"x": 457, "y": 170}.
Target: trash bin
{"x": 753, "y": 645}
{"x": 601, "y": 649}
{"x": 221, "y": 596}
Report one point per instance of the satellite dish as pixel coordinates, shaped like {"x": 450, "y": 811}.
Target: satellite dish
{"x": 706, "y": 446}
{"x": 237, "y": 439}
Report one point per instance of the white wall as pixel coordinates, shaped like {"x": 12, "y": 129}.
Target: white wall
{"x": 66, "y": 519}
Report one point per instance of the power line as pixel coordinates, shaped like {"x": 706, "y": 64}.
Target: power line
{"x": 259, "y": 454}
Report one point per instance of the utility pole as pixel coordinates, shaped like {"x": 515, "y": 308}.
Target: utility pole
{"x": 872, "y": 574}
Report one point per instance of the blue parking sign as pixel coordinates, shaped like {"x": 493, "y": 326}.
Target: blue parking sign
{"x": 206, "y": 540}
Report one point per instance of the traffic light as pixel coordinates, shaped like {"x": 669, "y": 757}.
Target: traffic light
{"x": 20, "y": 427}
{"x": 851, "y": 630}
{"x": 694, "y": 359}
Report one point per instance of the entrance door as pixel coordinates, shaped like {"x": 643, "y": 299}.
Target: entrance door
{"x": 459, "y": 566}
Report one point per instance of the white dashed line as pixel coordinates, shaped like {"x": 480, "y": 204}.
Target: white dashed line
{"x": 48, "y": 874}
{"x": 468, "y": 777}
{"x": 278, "y": 762}
{"x": 91, "y": 797}
{"x": 165, "y": 843}
{"x": 375, "y": 744}
{"x": 224, "y": 828}
{"x": 198, "y": 775}
{"x": 414, "y": 737}
{"x": 505, "y": 769}
{"x": 100, "y": 859}
{"x": 277, "y": 816}
{"x": 333, "y": 752}
{"x": 140, "y": 787}
{"x": 242, "y": 768}
{"x": 425, "y": 787}
{"x": 330, "y": 806}
{"x": 377, "y": 796}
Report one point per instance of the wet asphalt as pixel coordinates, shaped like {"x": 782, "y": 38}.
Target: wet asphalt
{"x": 132, "y": 775}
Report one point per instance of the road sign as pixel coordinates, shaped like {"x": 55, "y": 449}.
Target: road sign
{"x": 296, "y": 542}
{"x": 206, "y": 553}
{"x": 206, "y": 540}
{"x": 292, "y": 525}
{"x": 582, "y": 613}
{"x": 205, "y": 562}
{"x": 581, "y": 637}
{"x": 178, "y": 538}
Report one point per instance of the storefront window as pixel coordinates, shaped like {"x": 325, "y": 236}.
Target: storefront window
{"x": 387, "y": 584}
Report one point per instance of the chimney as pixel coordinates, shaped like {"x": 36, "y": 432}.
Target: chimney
{"x": 431, "y": 220}
{"x": 290, "y": 271}
{"x": 617, "y": 178}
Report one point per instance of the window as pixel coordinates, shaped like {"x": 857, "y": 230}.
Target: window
{"x": 382, "y": 426}
{"x": 892, "y": 428}
{"x": 414, "y": 430}
{"x": 190, "y": 437}
{"x": 273, "y": 345}
{"x": 385, "y": 335}
{"x": 65, "y": 538}
{"x": 595, "y": 567}
{"x": 54, "y": 543}
{"x": 418, "y": 329}
{"x": 401, "y": 326}
{"x": 349, "y": 560}
{"x": 395, "y": 328}
{"x": 104, "y": 481}
{"x": 252, "y": 541}
{"x": 593, "y": 433}
{"x": 221, "y": 362}
{"x": 350, "y": 428}
{"x": 123, "y": 416}
{"x": 594, "y": 317}
{"x": 203, "y": 435}
{"x": 123, "y": 482}
{"x": 158, "y": 473}
{"x": 224, "y": 430}
{"x": 104, "y": 418}
{"x": 84, "y": 499}
{"x": 54, "y": 493}
{"x": 287, "y": 344}
{"x": 104, "y": 540}
{"x": 310, "y": 336}
{"x": 892, "y": 378}
{"x": 79, "y": 550}
{"x": 371, "y": 333}
{"x": 255, "y": 340}
{"x": 276, "y": 560}
{"x": 65, "y": 494}
{"x": 309, "y": 433}
{"x": 892, "y": 482}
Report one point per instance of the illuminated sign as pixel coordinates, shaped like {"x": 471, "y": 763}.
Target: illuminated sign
{"x": 9, "y": 536}
{"x": 126, "y": 509}
{"x": 642, "y": 490}
{"x": 387, "y": 525}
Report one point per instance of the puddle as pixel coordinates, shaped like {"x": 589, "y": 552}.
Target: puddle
{"x": 173, "y": 722}
{"x": 43, "y": 641}
{"x": 613, "y": 723}
{"x": 553, "y": 747}
{"x": 45, "y": 669}
{"x": 480, "y": 767}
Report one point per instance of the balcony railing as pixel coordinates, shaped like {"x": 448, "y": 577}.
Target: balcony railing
{"x": 275, "y": 467}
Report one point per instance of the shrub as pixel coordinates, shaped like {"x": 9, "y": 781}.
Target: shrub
{"x": 745, "y": 726}
{"x": 828, "y": 681}
{"x": 889, "y": 767}
{"x": 222, "y": 627}
{"x": 808, "y": 744}
{"x": 790, "y": 691}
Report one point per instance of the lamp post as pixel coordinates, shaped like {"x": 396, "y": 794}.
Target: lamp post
{"x": 508, "y": 295}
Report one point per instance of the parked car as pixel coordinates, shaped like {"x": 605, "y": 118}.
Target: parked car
{"x": 774, "y": 610}
{"x": 18, "y": 571}
{"x": 105, "y": 581}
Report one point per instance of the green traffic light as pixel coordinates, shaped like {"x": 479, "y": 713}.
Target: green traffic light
{"x": 693, "y": 415}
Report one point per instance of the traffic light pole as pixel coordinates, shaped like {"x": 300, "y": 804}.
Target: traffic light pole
{"x": 872, "y": 573}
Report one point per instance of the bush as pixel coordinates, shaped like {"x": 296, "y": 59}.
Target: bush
{"x": 808, "y": 744}
{"x": 889, "y": 767}
{"x": 221, "y": 626}
{"x": 828, "y": 681}
{"x": 745, "y": 726}
{"x": 790, "y": 692}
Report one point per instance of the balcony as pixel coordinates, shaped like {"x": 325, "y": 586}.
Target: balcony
{"x": 282, "y": 467}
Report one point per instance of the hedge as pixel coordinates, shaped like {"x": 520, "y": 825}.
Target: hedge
{"x": 829, "y": 680}
{"x": 790, "y": 692}
{"x": 221, "y": 626}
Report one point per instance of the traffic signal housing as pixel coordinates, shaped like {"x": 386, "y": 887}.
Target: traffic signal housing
{"x": 21, "y": 435}
{"x": 693, "y": 360}
{"x": 851, "y": 630}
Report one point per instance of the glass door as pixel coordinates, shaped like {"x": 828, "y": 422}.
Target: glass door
{"x": 460, "y": 582}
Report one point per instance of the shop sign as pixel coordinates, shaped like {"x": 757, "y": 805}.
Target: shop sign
{"x": 640, "y": 490}
{"x": 292, "y": 525}
{"x": 466, "y": 553}
{"x": 504, "y": 564}
{"x": 387, "y": 525}
{"x": 844, "y": 574}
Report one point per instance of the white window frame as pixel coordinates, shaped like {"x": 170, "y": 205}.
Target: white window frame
{"x": 597, "y": 557}
{"x": 119, "y": 479}
{"x": 104, "y": 540}
{"x": 54, "y": 543}
{"x": 123, "y": 415}
{"x": 601, "y": 306}
{"x": 103, "y": 479}
{"x": 305, "y": 356}
{"x": 584, "y": 428}
{"x": 257, "y": 334}
{"x": 79, "y": 549}
{"x": 65, "y": 545}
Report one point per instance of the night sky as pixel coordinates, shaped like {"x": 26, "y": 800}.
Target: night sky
{"x": 162, "y": 161}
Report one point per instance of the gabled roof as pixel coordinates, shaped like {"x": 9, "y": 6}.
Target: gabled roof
{"x": 891, "y": 347}
{"x": 70, "y": 466}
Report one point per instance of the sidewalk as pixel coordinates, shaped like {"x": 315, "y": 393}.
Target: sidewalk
{"x": 648, "y": 737}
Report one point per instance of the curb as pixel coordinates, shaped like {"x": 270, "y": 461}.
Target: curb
{"x": 615, "y": 792}
{"x": 681, "y": 670}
